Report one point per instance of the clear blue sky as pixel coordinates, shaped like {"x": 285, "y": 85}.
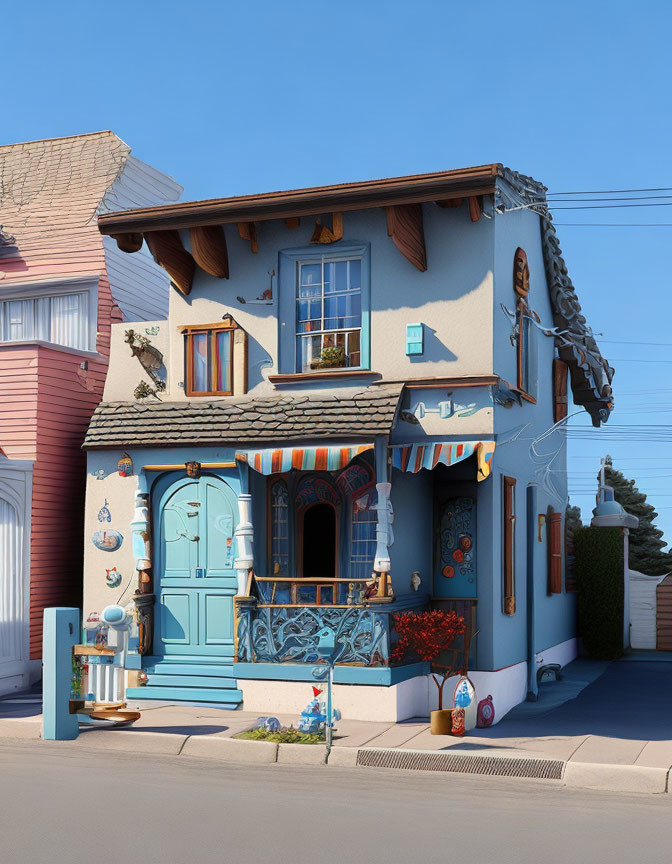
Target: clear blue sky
{"x": 232, "y": 97}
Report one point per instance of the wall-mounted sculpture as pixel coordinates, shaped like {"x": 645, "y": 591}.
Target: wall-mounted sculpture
{"x": 149, "y": 357}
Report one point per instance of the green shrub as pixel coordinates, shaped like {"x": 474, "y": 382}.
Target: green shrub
{"x": 599, "y": 577}
{"x": 282, "y": 736}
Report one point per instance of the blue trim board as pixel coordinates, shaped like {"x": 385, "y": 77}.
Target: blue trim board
{"x": 383, "y": 676}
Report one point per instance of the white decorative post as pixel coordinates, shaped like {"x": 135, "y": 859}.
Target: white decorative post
{"x": 384, "y": 533}
{"x": 244, "y": 535}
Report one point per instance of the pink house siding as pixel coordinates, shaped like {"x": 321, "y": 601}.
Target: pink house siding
{"x": 53, "y": 191}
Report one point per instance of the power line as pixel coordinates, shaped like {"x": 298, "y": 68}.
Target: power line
{"x": 613, "y": 224}
{"x": 626, "y": 198}
{"x": 610, "y": 206}
{"x": 615, "y": 191}
{"x": 627, "y": 342}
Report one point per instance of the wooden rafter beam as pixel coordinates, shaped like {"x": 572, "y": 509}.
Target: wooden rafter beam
{"x": 248, "y": 231}
{"x": 293, "y": 222}
{"x": 168, "y": 251}
{"x": 475, "y": 207}
{"x": 404, "y": 226}
{"x": 324, "y": 234}
{"x": 450, "y": 202}
{"x": 208, "y": 246}
{"x": 129, "y": 242}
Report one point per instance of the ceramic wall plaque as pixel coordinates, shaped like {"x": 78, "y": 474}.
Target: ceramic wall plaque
{"x": 125, "y": 466}
{"x": 107, "y": 540}
{"x": 113, "y": 577}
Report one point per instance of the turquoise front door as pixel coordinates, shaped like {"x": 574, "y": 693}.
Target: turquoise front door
{"x": 197, "y": 581}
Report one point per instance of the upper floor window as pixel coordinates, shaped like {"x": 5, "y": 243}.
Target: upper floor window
{"x": 209, "y": 360}
{"x": 328, "y": 314}
{"x": 62, "y": 319}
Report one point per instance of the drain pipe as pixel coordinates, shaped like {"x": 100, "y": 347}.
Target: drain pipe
{"x": 532, "y": 688}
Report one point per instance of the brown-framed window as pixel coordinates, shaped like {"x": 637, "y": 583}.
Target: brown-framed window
{"x": 209, "y": 360}
{"x": 509, "y": 530}
{"x": 560, "y": 369}
{"x": 554, "y": 523}
{"x": 525, "y": 331}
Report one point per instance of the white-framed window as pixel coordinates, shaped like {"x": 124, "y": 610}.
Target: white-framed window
{"x": 62, "y": 319}
{"x": 328, "y": 313}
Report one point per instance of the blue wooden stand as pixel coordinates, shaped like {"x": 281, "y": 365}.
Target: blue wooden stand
{"x": 60, "y": 634}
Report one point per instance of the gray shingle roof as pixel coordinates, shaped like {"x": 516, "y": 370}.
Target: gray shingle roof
{"x": 246, "y": 420}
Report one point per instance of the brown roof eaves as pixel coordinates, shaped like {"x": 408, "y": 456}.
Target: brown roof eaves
{"x": 462, "y": 182}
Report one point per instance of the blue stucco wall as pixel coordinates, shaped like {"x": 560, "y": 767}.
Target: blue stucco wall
{"x": 412, "y": 502}
{"x": 522, "y": 453}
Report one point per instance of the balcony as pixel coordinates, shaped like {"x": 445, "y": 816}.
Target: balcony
{"x": 280, "y": 620}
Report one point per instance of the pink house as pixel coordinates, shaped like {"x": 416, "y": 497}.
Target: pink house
{"x": 61, "y": 287}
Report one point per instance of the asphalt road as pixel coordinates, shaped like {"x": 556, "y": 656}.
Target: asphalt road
{"x": 61, "y": 805}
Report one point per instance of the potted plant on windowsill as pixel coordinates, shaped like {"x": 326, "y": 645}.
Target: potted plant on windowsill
{"x": 331, "y": 357}
{"x": 426, "y": 634}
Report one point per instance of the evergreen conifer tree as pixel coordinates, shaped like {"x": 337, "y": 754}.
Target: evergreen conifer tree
{"x": 646, "y": 541}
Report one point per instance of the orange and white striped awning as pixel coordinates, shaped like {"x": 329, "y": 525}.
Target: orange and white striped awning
{"x": 281, "y": 459}
{"x": 415, "y": 457}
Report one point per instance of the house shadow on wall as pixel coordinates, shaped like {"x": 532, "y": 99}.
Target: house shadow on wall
{"x": 434, "y": 350}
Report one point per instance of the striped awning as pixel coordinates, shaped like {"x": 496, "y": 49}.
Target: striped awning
{"x": 281, "y": 459}
{"x": 415, "y": 457}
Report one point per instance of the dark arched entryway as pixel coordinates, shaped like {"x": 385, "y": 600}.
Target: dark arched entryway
{"x": 319, "y": 542}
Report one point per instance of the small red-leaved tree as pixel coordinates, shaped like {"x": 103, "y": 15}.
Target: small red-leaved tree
{"x": 426, "y": 634}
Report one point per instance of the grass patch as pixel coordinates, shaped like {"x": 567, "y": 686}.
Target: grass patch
{"x": 283, "y": 736}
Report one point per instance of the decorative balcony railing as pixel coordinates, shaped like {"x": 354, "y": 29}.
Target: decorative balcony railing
{"x": 278, "y": 591}
{"x": 288, "y": 634}
{"x": 279, "y": 623}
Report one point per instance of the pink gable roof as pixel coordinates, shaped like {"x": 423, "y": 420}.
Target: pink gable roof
{"x": 50, "y": 194}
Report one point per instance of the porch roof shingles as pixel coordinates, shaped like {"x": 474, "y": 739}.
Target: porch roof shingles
{"x": 298, "y": 417}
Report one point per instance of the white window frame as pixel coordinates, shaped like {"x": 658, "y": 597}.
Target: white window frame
{"x": 323, "y": 260}
{"x": 57, "y": 288}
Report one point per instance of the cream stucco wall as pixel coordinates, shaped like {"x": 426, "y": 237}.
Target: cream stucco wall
{"x": 117, "y": 493}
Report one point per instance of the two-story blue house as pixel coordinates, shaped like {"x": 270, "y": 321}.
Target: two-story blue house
{"x": 356, "y": 407}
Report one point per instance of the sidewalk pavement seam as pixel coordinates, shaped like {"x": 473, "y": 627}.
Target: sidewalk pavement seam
{"x": 580, "y": 744}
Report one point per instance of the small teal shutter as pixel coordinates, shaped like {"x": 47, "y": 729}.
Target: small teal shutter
{"x": 414, "y": 339}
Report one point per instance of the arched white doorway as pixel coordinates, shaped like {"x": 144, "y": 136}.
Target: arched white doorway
{"x": 11, "y": 587}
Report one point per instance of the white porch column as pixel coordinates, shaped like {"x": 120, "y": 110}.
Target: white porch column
{"x": 244, "y": 535}
{"x": 384, "y": 533}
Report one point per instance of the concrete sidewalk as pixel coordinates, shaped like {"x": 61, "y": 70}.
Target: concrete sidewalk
{"x": 589, "y": 761}
{"x": 584, "y": 731}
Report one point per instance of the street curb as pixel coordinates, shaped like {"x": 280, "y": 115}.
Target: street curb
{"x": 578, "y": 775}
{"x": 616, "y": 778}
{"x": 230, "y": 749}
{"x": 20, "y": 728}
{"x": 302, "y": 754}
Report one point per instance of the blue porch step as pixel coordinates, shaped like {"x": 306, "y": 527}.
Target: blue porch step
{"x": 222, "y": 697}
{"x": 189, "y": 679}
